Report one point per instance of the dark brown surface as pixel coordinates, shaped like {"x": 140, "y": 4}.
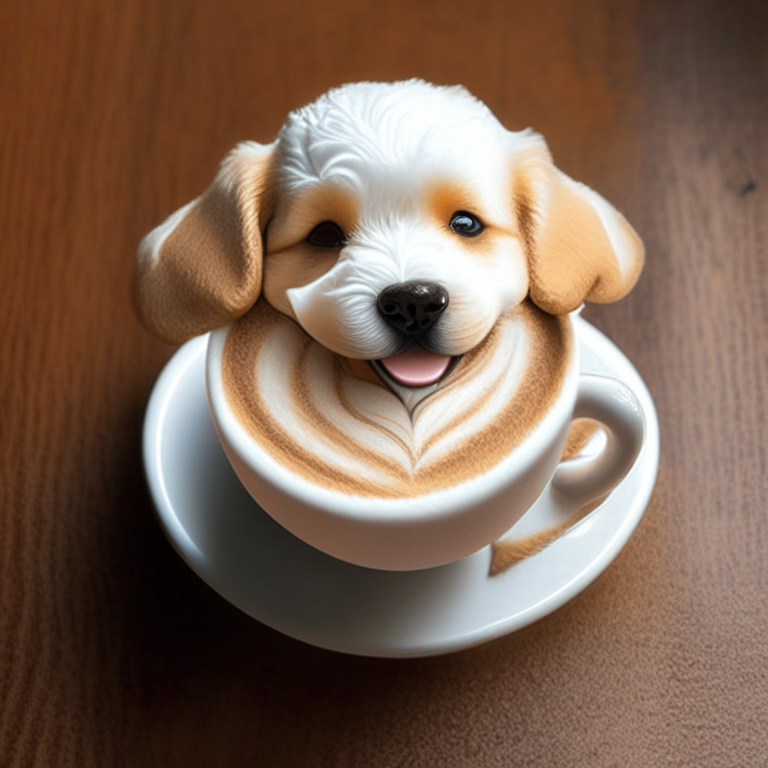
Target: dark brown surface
{"x": 113, "y": 653}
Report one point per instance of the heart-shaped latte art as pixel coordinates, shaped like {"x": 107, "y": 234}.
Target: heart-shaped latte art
{"x": 434, "y": 424}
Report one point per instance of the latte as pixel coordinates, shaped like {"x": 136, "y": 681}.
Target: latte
{"x": 339, "y": 425}
{"x": 398, "y": 271}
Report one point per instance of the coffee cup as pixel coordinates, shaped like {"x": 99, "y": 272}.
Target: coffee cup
{"x": 347, "y": 510}
{"x": 400, "y": 373}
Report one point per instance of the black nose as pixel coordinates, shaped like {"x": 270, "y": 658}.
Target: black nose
{"x": 412, "y": 307}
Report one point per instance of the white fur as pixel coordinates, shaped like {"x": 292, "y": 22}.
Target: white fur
{"x": 358, "y": 129}
{"x": 386, "y": 143}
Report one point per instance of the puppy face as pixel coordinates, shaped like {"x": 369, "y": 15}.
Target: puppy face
{"x": 417, "y": 181}
{"x": 386, "y": 216}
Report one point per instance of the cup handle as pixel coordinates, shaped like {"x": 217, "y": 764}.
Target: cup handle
{"x": 614, "y": 405}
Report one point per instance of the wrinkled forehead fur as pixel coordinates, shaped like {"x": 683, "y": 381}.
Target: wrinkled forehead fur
{"x": 382, "y": 141}
{"x": 389, "y": 163}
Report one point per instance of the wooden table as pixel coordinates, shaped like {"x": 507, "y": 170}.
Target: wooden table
{"x": 113, "y": 653}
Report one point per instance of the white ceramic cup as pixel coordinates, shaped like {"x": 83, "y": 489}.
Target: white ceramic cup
{"x": 446, "y": 525}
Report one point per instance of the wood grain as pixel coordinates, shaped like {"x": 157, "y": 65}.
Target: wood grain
{"x": 112, "y": 653}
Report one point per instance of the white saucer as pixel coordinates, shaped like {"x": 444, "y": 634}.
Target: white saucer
{"x": 231, "y": 543}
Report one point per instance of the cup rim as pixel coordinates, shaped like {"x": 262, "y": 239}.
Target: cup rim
{"x": 240, "y": 447}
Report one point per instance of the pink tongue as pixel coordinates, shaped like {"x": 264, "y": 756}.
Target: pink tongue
{"x": 416, "y": 367}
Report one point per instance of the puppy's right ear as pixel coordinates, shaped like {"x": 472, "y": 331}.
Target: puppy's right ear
{"x": 201, "y": 268}
{"x": 579, "y": 247}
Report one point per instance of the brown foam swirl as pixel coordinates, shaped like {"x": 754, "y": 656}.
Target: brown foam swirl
{"x": 314, "y": 412}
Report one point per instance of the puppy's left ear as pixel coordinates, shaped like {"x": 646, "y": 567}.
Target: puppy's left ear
{"x": 579, "y": 247}
{"x": 202, "y": 268}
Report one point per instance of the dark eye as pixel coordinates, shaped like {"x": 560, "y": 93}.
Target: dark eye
{"x": 328, "y": 235}
{"x": 466, "y": 224}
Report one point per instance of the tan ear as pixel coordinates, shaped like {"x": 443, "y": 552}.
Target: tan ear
{"x": 579, "y": 247}
{"x": 201, "y": 268}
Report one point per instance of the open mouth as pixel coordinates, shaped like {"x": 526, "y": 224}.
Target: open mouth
{"x": 417, "y": 367}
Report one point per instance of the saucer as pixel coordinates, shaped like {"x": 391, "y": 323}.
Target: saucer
{"x": 248, "y": 558}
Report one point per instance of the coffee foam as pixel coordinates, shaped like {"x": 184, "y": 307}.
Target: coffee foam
{"x": 330, "y": 421}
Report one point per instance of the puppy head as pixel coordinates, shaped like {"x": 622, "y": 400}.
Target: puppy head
{"x": 397, "y": 213}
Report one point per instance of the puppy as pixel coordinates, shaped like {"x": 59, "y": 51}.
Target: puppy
{"x": 399, "y": 268}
